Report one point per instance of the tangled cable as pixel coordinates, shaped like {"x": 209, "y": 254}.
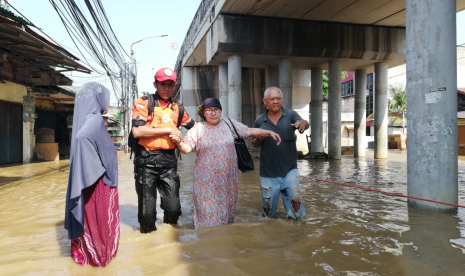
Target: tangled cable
{"x": 96, "y": 37}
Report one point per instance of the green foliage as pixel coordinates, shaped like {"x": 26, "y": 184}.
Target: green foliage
{"x": 326, "y": 82}
{"x": 398, "y": 102}
{"x": 399, "y": 98}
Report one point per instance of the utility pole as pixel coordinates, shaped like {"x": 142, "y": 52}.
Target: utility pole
{"x": 133, "y": 61}
{"x": 131, "y": 89}
{"x": 123, "y": 107}
{"x": 126, "y": 100}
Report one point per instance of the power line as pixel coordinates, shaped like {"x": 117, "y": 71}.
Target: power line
{"x": 92, "y": 30}
{"x": 81, "y": 32}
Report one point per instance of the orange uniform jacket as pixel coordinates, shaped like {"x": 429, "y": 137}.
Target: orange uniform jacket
{"x": 164, "y": 115}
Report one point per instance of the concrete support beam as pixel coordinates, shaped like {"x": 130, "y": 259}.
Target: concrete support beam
{"x": 360, "y": 112}
{"x": 253, "y": 86}
{"x": 316, "y": 109}
{"x": 223, "y": 88}
{"x": 190, "y": 97}
{"x": 197, "y": 84}
{"x": 432, "y": 168}
{"x": 381, "y": 110}
{"x": 235, "y": 88}
{"x": 285, "y": 81}
{"x": 334, "y": 109}
{"x": 272, "y": 76}
{"x": 266, "y": 36}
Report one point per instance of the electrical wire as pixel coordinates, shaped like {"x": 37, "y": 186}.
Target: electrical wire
{"x": 94, "y": 34}
{"x": 104, "y": 53}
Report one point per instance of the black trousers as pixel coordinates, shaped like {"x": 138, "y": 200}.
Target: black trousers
{"x": 157, "y": 170}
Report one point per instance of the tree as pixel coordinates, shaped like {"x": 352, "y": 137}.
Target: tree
{"x": 398, "y": 101}
{"x": 326, "y": 82}
{"x": 399, "y": 98}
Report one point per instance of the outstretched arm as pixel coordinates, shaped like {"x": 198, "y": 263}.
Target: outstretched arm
{"x": 259, "y": 135}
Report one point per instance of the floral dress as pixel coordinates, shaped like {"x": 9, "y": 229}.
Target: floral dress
{"x": 216, "y": 174}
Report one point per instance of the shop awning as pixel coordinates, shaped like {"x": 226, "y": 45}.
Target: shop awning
{"x": 61, "y": 97}
{"x": 29, "y": 58}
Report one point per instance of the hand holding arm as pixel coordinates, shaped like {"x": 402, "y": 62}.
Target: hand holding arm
{"x": 183, "y": 147}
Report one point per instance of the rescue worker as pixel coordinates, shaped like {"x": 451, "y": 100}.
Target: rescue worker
{"x": 155, "y": 163}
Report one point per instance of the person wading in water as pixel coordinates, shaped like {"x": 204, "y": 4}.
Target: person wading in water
{"x": 155, "y": 164}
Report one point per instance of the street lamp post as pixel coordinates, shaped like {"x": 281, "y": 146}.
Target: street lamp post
{"x": 133, "y": 71}
{"x": 133, "y": 86}
{"x": 153, "y": 74}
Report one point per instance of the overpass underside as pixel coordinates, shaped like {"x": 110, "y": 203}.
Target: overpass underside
{"x": 262, "y": 41}
{"x": 235, "y": 49}
{"x": 265, "y": 42}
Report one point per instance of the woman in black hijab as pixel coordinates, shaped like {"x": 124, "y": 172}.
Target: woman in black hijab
{"x": 216, "y": 174}
{"x": 92, "y": 207}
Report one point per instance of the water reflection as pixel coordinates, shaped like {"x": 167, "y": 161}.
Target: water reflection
{"x": 427, "y": 244}
{"x": 347, "y": 231}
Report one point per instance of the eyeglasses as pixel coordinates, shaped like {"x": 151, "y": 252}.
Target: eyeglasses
{"x": 212, "y": 111}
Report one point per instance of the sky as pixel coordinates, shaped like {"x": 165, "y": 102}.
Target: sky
{"x": 134, "y": 20}
{"x": 131, "y": 21}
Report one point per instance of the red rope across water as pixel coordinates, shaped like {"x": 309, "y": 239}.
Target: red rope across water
{"x": 383, "y": 192}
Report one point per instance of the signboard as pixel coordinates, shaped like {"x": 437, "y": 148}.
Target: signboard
{"x": 29, "y": 109}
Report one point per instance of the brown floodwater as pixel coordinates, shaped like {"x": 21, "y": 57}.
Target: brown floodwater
{"x": 347, "y": 231}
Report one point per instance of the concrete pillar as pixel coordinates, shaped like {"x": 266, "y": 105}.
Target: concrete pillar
{"x": 272, "y": 76}
{"x": 316, "y": 110}
{"x": 190, "y": 97}
{"x": 360, "y": 112}
{"x": 235, "y": 88}
{"x": 432, "y": 169}
{"x": 223, "y": 88}
{"x": 28, "y": 141}
{"x": 381, "y": 110}
{"x": 285, "y": 81}
{"x": 334, "y": 109}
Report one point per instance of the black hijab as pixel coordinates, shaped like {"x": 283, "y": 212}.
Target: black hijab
{"x": 93, "y": 154}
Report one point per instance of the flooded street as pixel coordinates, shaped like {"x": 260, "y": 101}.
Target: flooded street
{"x": 347, "y": 231}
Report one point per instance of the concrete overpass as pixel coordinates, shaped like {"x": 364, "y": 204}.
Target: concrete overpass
{"x": 235, "y": 48}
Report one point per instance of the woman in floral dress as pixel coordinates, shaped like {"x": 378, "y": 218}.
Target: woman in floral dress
{"x": 216, "y": 174}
